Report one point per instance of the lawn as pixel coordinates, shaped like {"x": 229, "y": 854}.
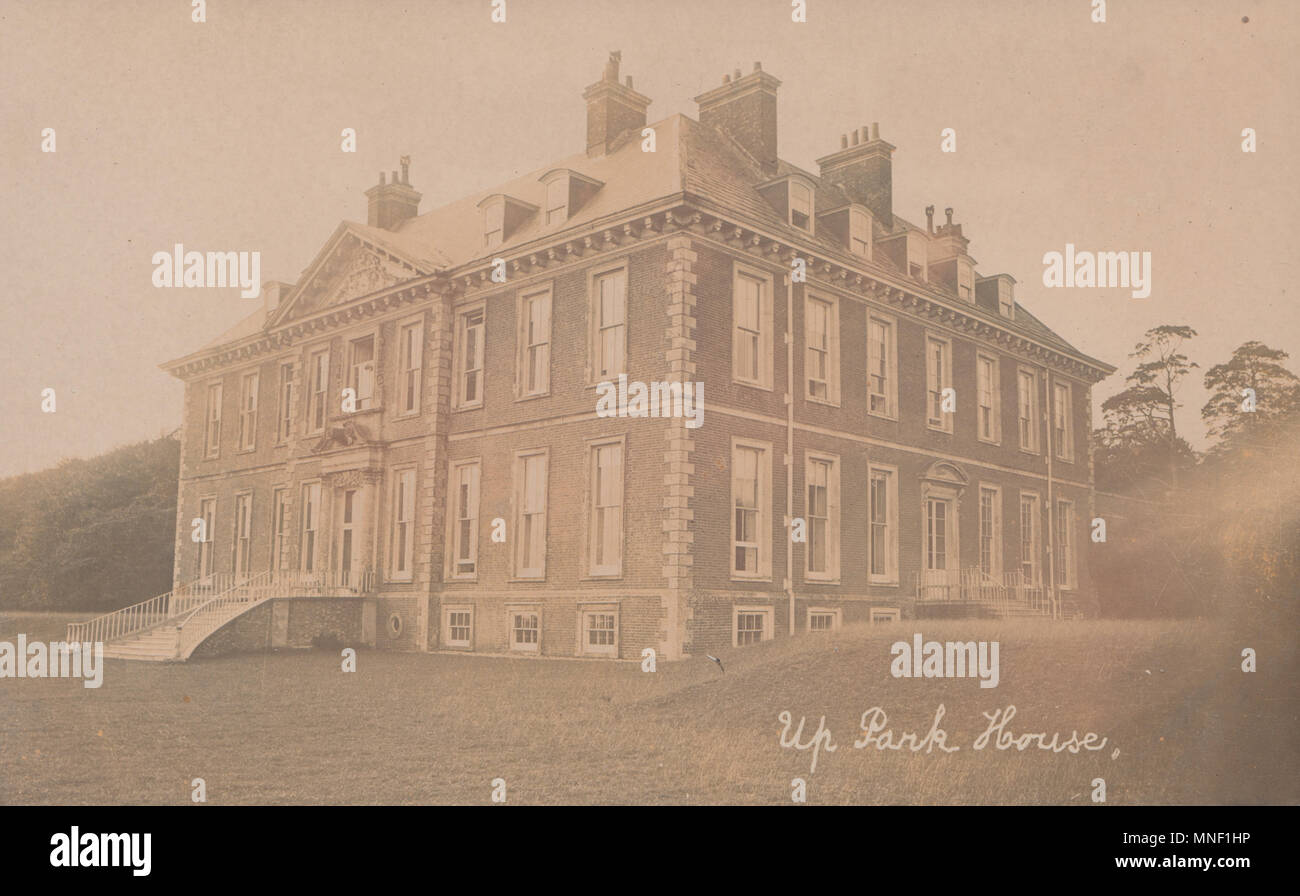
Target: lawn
{"x": 1188, "y": 724}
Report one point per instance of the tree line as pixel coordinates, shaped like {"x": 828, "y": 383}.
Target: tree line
{"x": 1199, "y": 532}
{"x": 93, "y": 534}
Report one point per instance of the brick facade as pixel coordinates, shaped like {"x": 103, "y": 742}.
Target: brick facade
{"x": 647, "y": 223}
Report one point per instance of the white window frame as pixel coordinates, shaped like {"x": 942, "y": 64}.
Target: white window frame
{"x": 831, "y": 349}
{"x": 520, "y": 502}
{"x": 860, "y": 232}
{"x": 1032, "y": 445}
{"x": 831, "y": 462}
{"x": 280, "y": 534}
{"x": 523, "y": 610}
{"x": 1035, "y": 539}
{"x": 462, "y": 366}
{"x": 403, "y": 511}
{"x": 208, "y": 546}
{"x": 309, "y": 522}
{"x": 1067, "y": 557}
{"x": 612, "y": 569}
{"x": 764, "y": 334}
{"x": 765, "y": 634}
{"x": 944, "y": 421}
{"x": 992, "y": 391}
{"x": 410, "y": 366}
{"x": 318, "y": 389}
{"x": 890, "y": 576}
{"x": 284, "y": 396}
{"x": 994, "y": 528}
{"x": 212, "y": 420}
{"x": 890, "y": 395}
{"x": 494, "y": 223}
{"x": 529, "y": 341}
{"x": 599, "y": 368}
{"x": 241, "y": 558}
{"x": 1063, "y": 446}
{"x": 357, "y": 371}
{"x": 808, "y": 198}
{"x": 585, "y": 647}
{"x": 448, "y": 610}
{"x": 248, "y": 410}
{"x": 836, "y": 616}
{"x": 556, "y": 213}
{"x": 763, "y": 515}
{"x": 473, "y": 468}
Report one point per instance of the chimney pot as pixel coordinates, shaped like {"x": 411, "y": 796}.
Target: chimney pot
{"x": 736, "y": 75}
{"x": 948, "y": 212}
{"x": 929, "y": 218}
{"x": 381, "y": 178}
{"x": 875, "y": 130}
{"x": 855, "y": 137}
{"x": 629, "y": 81}
{"x": 758, "y": 66}
{"x": 726, "y": 79}
{"x": 844, "y": 141}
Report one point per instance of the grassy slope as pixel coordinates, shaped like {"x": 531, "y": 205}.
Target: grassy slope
{"x": 412, "y": 728}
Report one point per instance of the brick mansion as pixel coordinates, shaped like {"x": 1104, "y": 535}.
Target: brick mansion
{"x": 403, "y": 448}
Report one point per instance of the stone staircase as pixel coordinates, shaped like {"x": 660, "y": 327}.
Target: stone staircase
{"x": 157, "y": 644}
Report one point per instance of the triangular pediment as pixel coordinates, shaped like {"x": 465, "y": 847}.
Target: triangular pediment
{"x": 350, "y": 266}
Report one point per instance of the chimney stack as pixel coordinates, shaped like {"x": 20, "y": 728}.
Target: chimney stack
{"x": 929, "y": 219}
{"x": 865, "y": 172}
{"x": 389, "y": 204}
{"x": 612, "y": 109}
{"x": 744, "y": 108}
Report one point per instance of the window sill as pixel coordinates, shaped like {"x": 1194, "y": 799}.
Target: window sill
{"x": 751, "y": 384}
{"x": 603, "y": 577}
{"x": 755, "y": 580}
{"x": 884, "y": 583}
{"x": 809, "y": 579}
{"x": 525, "y": 580}
{"x": 882, "y": 415}
{"x": 983, "y": 441}
{"x": 468, "y": 407}
{"x": 534, "y": 396}
{"x": 825, "y": 402}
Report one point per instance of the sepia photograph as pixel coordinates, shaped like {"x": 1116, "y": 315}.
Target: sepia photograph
{"x": 506, "y": 402}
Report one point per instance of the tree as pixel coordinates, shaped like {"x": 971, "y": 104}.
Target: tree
{"x": 1274, "y": 396}
{"x": 1141, "y": 436}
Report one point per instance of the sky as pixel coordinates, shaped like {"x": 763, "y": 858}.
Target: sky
{"x": 225, "y": 135}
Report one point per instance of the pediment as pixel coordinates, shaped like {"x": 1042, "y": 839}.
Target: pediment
{"x": 349, "y": 267}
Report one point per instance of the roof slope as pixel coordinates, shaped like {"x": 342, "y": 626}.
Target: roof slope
{"x": 690, "y": 158}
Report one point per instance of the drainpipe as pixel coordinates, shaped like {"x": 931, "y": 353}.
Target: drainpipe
{"x": 789, "y": 448}
{"x": 1050, "y": 541}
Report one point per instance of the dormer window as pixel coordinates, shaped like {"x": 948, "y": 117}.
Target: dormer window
{"x": 502, "y": 217}
{"x": 997, "y": 293}
{"x": 860, "y": 232}
{"x": 792, "y": 198}
{"x": 801, "y": 204}
{"x": 557, "y": 201}
{"x": 494, "y": 224}
{"x": 567, "y": 191}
